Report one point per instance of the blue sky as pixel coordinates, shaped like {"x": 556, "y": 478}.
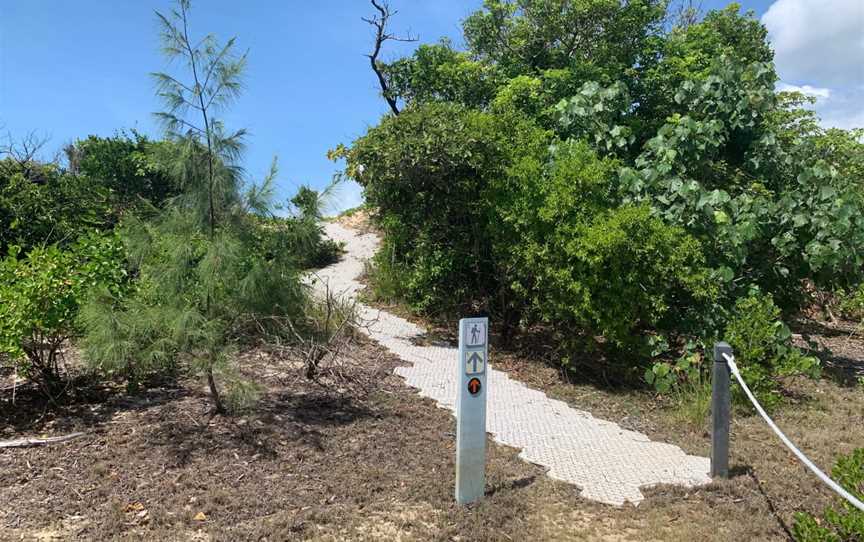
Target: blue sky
{"x": 69, "y": 69}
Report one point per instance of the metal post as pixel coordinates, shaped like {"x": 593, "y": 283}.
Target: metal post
{"x": 471, "y": 375}
{"x": 721, "y": 404}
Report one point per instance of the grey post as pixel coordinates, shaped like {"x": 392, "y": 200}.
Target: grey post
{"x": 471, "y": 368}
{"x": 721, "y": 405}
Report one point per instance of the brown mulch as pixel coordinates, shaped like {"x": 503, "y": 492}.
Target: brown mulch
{"x": 323, "y": 460}
{"x": 362, "y": 457}
{"x": 840, "y": 344}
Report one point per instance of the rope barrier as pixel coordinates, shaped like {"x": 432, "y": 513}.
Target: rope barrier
{"x": 822, "y": 476}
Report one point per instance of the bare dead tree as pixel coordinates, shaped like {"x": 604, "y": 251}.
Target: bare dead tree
{"x": 24, "y": 151}
{"x": 379, "y": 22}
{"x": 684, "y": 13}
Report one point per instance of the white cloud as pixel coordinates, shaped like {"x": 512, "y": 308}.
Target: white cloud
{"x": 845, "y": 109}
{"x": 818, "y": 40}
{"x": 819, "y": 51}
{"x": 816, "y": 92}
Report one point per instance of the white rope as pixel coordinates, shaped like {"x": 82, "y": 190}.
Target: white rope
{"x": 822, "y": 476}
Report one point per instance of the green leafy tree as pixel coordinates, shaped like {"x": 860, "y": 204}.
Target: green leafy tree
{"x": 687, "y": 54}
{"x": 584, "y": 262}
{"x": 734, "y": 172}
{"x": 592, "y": 37}
{"x": 429, "y": 172}
{"x": 602, "y": 170}
{"x": 598, "y": 114}
{"x": 440, "y": 73}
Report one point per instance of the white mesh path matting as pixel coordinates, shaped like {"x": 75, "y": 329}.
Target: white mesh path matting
{"x": 609, "y": 464}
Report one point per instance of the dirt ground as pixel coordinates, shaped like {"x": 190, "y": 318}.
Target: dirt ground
{"x": 337, "y": 461}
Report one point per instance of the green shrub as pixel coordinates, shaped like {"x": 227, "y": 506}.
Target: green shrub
{"x": 632, "y": 272}
{"x": 584, "y": 263}
{"x": 763, "y": 348}
{"x": 685, "y": 379}
{"x": 496, "y": 201}
{"x": 666, "y": 376}
{"x": 127, "y": 165}
{"x": 385, "y": 276}
{"x": 429, "y": 173}
{"x": 845, "y": 524}
{"x": 292, "y": 237}
{"x": 852, "y": 304}
{"x": 40, "y": 295}
{"x": 45, "y": 205}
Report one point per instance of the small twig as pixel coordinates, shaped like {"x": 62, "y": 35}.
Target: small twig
{"x": 191, "y": 418}
{"x": 30, "y": 442}
{"x": 14, "y": 384}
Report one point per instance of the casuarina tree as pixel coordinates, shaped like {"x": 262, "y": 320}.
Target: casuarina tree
{"x": 203, "y": 288}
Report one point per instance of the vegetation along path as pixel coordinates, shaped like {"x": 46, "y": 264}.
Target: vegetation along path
{"x": 608, "y": 463}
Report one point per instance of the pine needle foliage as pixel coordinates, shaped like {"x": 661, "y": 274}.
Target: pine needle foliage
{"x": 202, "y": 287}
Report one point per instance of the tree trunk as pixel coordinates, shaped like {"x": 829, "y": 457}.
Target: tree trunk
{"x": 214, "y": 391}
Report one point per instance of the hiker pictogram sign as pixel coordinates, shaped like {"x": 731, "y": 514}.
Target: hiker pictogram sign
{"x": 475, "y": 362}
{"x": 474, "y": 386}
{"x": 475, "y": 334}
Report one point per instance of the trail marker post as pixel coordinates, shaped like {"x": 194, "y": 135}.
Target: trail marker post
{"x": 471, "y": 409}
{"x": 721, "y": 405}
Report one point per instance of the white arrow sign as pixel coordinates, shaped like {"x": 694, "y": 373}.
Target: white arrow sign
{"x": 475, "y": 362}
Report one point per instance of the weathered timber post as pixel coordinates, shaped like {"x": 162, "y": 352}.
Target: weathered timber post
{"x": 721, "y": 405}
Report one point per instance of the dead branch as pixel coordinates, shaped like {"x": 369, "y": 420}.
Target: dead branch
{"x": 31, "y": 442}
{"x": 684, "y": 13}
{"x": 24, "y": 151}
{"x": 379, "y": 22}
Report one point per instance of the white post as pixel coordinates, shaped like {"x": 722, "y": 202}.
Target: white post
{"x": 471, "y": 409}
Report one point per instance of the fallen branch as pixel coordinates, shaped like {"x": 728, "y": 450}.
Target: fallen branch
{"x": 30, "y": 442}
{"x": 14, "y": 386}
